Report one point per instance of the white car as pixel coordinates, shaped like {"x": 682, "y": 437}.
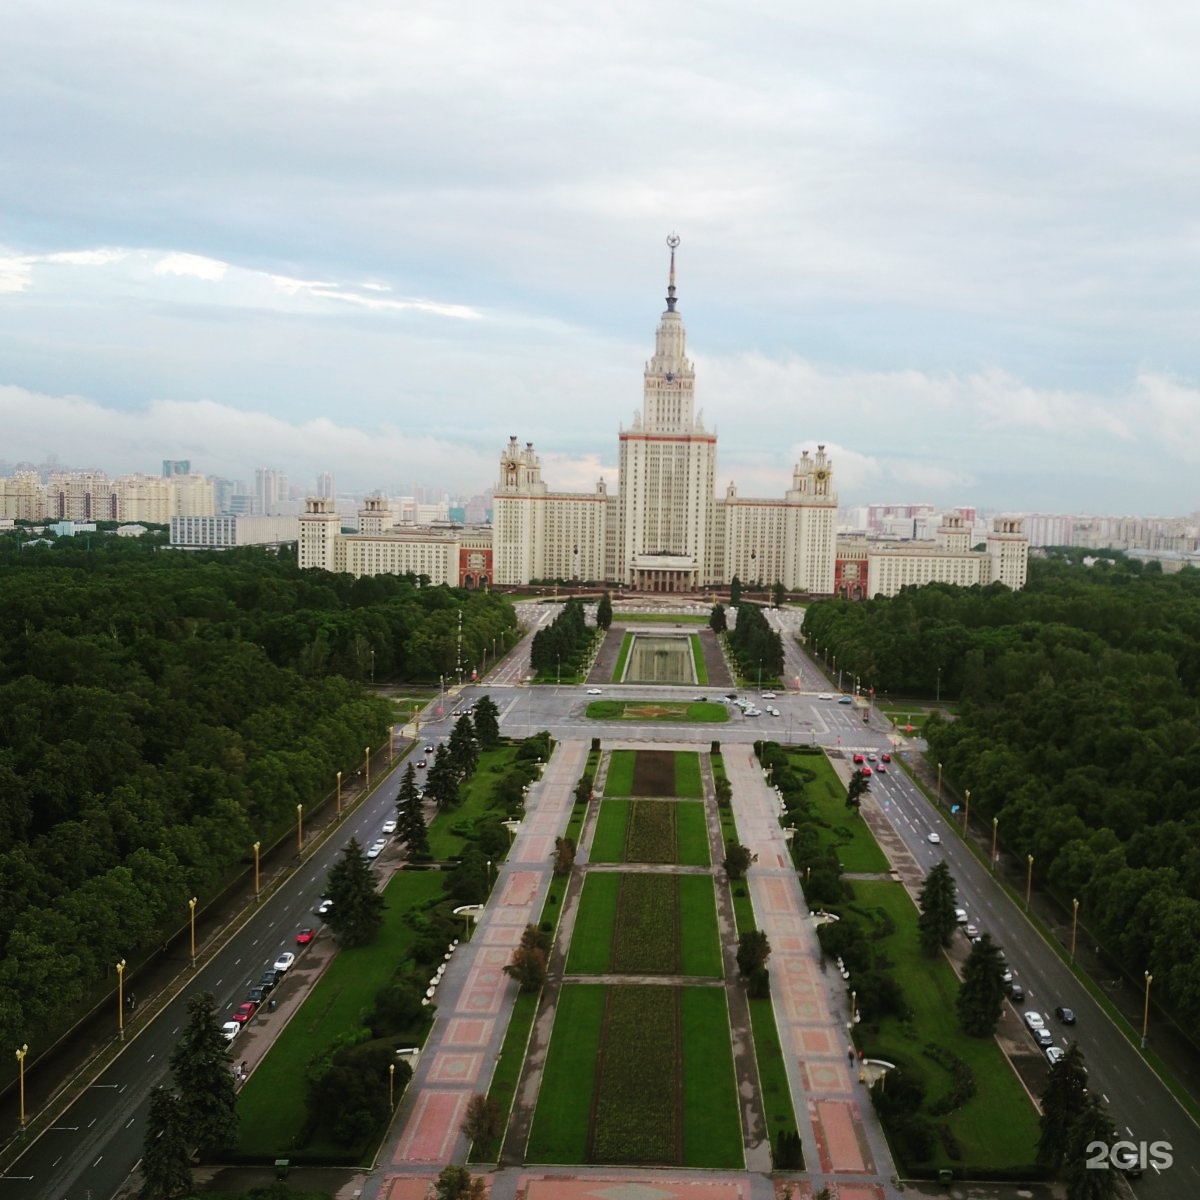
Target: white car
{"x": 324, "y": 908}
{"x": 284, "y": 961}
{"x": 825, "y": 696}
{"x": 960, "y": 915}
{"x": 230, "y": 1030}
{"x": 934, "y": 839}
{"x": 1055, "y": 1054}
{"x": 972, "y": 931}
{"x": 594, "y": 692}
{"x": 389, "y": 827}
{"x": 378, "y": 846}
{"x": 768, "y": 695}
{"x": 1034, "y": 1020}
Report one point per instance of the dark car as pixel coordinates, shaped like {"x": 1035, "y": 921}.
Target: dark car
{"x": 1016, "y": 993}
{"x": 257, "y": 994}
{"x": 1065, "y": 1015}
{"x": 428, "y": 749}
{"x": 269, "y": 980}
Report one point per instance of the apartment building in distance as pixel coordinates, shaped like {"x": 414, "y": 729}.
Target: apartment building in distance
{"x": 93, "y": 496}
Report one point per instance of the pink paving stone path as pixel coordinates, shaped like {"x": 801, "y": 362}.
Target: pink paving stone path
{"x": 460, "y": 1052}
{"x": 618, "y": 1188}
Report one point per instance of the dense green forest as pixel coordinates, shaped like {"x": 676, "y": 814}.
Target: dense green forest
{"x": 159, "y": 713}
{"x": 1077, "y": 705}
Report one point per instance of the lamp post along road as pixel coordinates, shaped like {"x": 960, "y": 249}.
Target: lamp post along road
{"x": 1146, "y": 1009}
{"x": 1074, "y": 924}
{"x": 367, "y": 765}
{"x": 1028, "y": 880}
{"x": 339, "y": 795}
{"x": 967, "y": 812}
{"x": 299, "y": 827}
{"x": 391, "y": 1085}
{"x": 192, "y": 923}
{"x": 24, "y": 1050}
{"x": 939, "y": 785}
{"x": 121, "y": 1000}
{"x": 995, "y": 827}
{"x": 257, "y": 847}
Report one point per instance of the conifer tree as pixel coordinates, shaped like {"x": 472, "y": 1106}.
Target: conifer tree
{"x": 166, "y": 1152}
{"x": 202, "y": 1067}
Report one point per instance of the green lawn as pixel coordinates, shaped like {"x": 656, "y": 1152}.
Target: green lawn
{"x": 772, "y": 1071}
{"x": 622, "y": 658}
{"x": 646, "y": 937}
{"x": 560, "y": 1122}
{"x": 695, "y": 712}
{"x": 998, "y": 1127}
{"x": 477, "y": 793}
{"x": 687, "y": 773}
{"x": 692, "y": 835}
{"x": 592, "y": 938}
{"x": 619, "y": 779}
{"x": 699, "y": 945}
{"x": 847, "y": 833}
{"x": 698, "y": 660}
{"x": 712, "y": 1130}
{"x": 657, "y": 618}
{"x": 271, "y": 1105}
{"x": 608, "y": 841}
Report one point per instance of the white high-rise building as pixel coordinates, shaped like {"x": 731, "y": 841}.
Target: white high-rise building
{"x": 665, "y": 529}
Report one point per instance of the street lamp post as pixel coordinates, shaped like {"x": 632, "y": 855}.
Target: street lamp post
{"x": 391, "y": 1085}
{"x": 489, "y": 874}
{"x": 192, "y": 922}
{"x": 938, "y": 698}
{"x": 995, "y": 827}
{"x": 939, "y": 788}
{"x": 966, "y": 811}
{"x": 121, "y": 999}
{"x": 339, "y": 795}
{"x": 1146, "y": 1009}
{"x": 24, "y": 1050}
{"x": 257, "y": 846}
{"x": 1074, "y": 924}
{"x": 367, "y": 765}
{"x": 299, "y": 827}
{"x": 853, "y": 1007}
{"x": 1028, "y": 880}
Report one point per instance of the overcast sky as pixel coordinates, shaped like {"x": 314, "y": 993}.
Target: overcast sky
{"x": 957, "y": 244}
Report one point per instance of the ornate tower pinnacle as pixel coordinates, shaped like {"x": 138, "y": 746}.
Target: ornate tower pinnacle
{"x": 672, "y": 241}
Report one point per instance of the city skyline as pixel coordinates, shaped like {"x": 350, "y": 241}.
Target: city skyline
{"x": 955, "y": 251}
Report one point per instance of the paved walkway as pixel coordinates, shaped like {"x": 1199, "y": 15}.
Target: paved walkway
{"x": 843, "y": 1143}
{"x": 475, "y": 997}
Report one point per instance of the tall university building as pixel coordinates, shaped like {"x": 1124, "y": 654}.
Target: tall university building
{"x": 664, "y": 529}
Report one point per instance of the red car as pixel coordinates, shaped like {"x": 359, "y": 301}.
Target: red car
{"x": 245, "y": 1012}
{"x": 885, "y": 758}
{"x": 305, "y": 936}
{"x": 866, "y": 770}
{"x": 858, "y": 758}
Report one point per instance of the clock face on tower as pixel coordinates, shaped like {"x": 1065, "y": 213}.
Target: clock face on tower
{"x": 821, "y": 475}
{"x": 670, "y": 376}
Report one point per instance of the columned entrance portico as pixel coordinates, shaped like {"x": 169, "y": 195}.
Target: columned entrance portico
{"x": 664, "y": 573}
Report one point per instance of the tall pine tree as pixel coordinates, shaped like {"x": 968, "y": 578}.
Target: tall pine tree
{"x": 410, "y": 819}
{"x": 1063, "y": 1103}
{"x": 166, "y": 1151}
{"x": 357, "y": 913}
{"x": 203, "y": 1075}
{"x": 937, "y": 902}
{"x": 981, "y": 995}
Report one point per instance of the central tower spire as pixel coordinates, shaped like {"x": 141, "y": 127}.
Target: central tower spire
{"x": 672, "y": 241}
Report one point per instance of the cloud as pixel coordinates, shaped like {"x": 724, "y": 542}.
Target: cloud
{"x": 16, "y": 273}
{"x": 195, "y": 265}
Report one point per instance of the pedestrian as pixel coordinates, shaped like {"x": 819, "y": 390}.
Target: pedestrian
{"x": 850, "y": 1053}
{"x": 245, "y": 1067}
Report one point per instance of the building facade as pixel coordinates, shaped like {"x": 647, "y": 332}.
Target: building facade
{"x": 663, "y": 528}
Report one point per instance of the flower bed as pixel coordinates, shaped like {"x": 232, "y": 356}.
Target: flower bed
{"x": 646, "y": 938}
{"x": 650, "y": 835}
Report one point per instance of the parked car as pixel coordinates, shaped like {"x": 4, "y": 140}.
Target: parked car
{"x": 269, "y": 979}
{"x": 377, "y": 847}
{"x": 972, "y": 931}
{"x": 825, "y": 696}
{"x": 284, "y": 961}
{"x": 230, "y": 1030}
{"x": 305, "y": 936}
{"x": 1055, "y": 1054}
{"x": 595, "y": 692}
{"x": 1034, "y": 1020}
{"x": 960, "y": 915}
{"x": 389, "y": 826}
{"x": 257, "y": 994}
{"x": 1065, "y": 1015}
{"x": 324, "y": 908}
{"x": 768, "y": 695}
{"x": 1043, "y": 1037}
{"x": 245, "y": 1011}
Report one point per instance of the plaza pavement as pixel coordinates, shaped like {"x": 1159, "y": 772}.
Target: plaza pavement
{"x": 843, "y": 1145}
